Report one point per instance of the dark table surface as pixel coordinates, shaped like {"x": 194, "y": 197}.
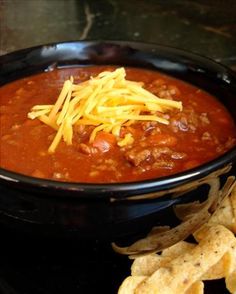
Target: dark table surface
{"x": 204, "y": 27}
{"x": 207, "y": 27}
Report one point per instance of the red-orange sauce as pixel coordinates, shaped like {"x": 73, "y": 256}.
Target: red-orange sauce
{"x": 201, "y": 132}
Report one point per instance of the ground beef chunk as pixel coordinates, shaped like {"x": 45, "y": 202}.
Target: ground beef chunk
{"x": 86, "y": 149}
{"x": 226, "y": 146}
{"x": 204, "y": 118}
{"x": 137, "y": 156}
{"x": 185, "y": 121}
{"x": 167, "y": 164}
{"x": 163, "y": 90}
{"x": 150, "y": 125}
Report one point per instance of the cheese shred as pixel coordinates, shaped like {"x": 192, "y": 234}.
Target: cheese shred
{"x": 107, "y": 102}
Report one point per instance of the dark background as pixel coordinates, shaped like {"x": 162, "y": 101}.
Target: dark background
{"x": 204, "y": 27}
{"x": 207, "y": 27}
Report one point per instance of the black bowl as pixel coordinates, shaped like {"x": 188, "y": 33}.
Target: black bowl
{"x": 111, "y": 211}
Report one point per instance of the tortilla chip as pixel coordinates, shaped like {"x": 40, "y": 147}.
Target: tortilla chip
{"x": 148, "y": 264}
{"x": 233, "y": 205}
{"x": 230, "y": 282}
{"x": 201, "y": 233}
{"x": 182, "y": 267}
{"x": 158, "y": 229}
{"x": 177, "y": 249}
{"x": 184, "y": 211}
{"x": 224, "y": 215}
{"x": 222, "y": 268}
{"x": 186, "y": 269}
{"x": 130, "y": 284}
{"x": 196, "y": 288}
{"x": 157, "y": 242}
{"x": 225, "y": 192}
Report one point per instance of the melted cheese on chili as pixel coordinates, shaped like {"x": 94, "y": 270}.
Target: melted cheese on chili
{"x": 107, "y": 101}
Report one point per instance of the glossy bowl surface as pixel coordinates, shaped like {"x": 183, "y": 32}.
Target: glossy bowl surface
{"x": 108, "y": 210}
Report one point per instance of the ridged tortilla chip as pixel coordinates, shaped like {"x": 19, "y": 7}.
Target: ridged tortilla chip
{"x": 233, "y": 204}
{"x": 158, "y": 230}
{"x": 148, "y": 264}
{"x": 224, "y": 215}
{"x": 222, "y": 268}
{"x": 184, "y": 211}
{"x": 182, "y": 268}
{"x": 186, "y": 269}
{"x": 196, "y": 288}
{"x": 130, "y": 284}
{"x": 177, "y": 249}
{"x": 230, "y": 282}
{"x": 157, "y": 242}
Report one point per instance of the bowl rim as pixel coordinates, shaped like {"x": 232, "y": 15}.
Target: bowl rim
{"x": 120, "y": 189}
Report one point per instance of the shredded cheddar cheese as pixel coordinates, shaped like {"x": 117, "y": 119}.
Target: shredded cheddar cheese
{"x": 107, "y": 102}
